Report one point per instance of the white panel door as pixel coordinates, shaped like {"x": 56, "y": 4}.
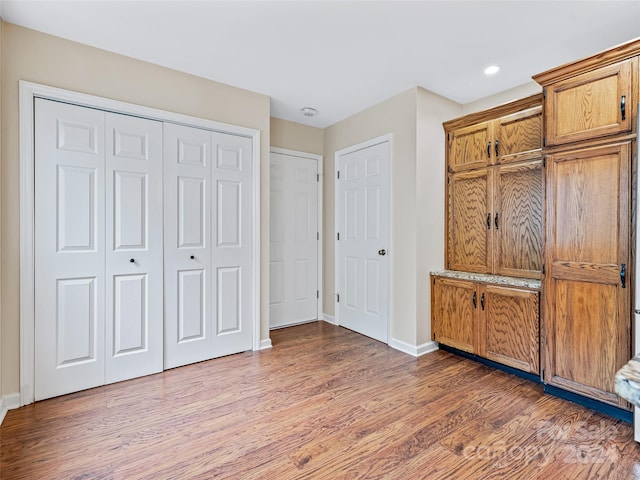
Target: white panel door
{"x": 69, "y": 248}
{"x": 293, "y": 272}
{"x": 187, "y": 260}
{"x": 232, "y": 238}
{"x": 134, "y": 309}
{"x": 363, "y": 226}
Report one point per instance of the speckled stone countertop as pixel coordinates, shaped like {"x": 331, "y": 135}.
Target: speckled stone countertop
{"x": 627, "y": 383}
{"x": 487, "y": 278}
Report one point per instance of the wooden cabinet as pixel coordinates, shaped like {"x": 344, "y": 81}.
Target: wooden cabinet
{"x": 496, "y": 220}
{"x": 588, "y": 318}
{"x": 470, "y": 207}
{"x": 590, "y": 128}
{"x": 499, "y": 323}
{"x": 518, "y": 219}
{"x": 509, "y": 327}
{"x": 495, "y": 191}
{"x": 593, "y": 104}
{"x": 470, "y": 147}
{"x": 454, "y": 311}
{"x": 509, "y": 138}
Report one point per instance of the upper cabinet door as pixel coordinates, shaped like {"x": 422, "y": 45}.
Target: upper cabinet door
{"x": 471, "y": 147}
{"x": 591, "y": 105}
{"x": 518, "y": 136}
{"x": 470, "y": 196}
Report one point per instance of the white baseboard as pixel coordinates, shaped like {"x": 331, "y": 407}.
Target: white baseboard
{"x": 413, "y": 350}
{"x": 8, "y": 402}
{"x": 265, "y": 344}
{"x": 329, "y": 318}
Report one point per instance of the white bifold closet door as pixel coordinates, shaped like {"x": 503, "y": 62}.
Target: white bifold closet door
{"x": 208, "y": 244}
{"x": 98, "y": 248}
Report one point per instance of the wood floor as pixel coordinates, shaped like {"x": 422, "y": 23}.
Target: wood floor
{"x": 324, "y": 403}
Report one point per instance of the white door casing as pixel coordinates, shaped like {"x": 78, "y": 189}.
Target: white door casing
{"x": 187, "y": 259}
{"x": 134, "y": 312}
{"x": 363, "y": 225}
{"x": 294, "y": 240}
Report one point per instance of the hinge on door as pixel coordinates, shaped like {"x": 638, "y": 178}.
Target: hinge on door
{"x": 544, "y": 141}
{"x": 448, "y": 137}
{"x": 544, "y": 93}
{"x": 337, "y": 297}
{"x": 543, "y": 268}
{"x": 338, "y": 235}
{"x": 448, "y": 264}
{"x": 448, "y": 180}
{"x": 317, "y": 177}
{"x": 317, "y": 293}
{"x": 317, "y": 235}
{"x": 338, "y": 174}
{"x": 544, "y": 162}
{"x": 434, "y": 336}
{"x": 542, "y": 375}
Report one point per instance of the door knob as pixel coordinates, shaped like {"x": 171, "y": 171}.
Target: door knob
{"x": 133, "y": 260}
{"x": 382, "y": 252}
{"x": 192, "y": 257}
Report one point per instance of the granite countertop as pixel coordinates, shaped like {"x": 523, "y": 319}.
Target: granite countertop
{"x": 487, "y": 278}
{"x": 627, "y": 382}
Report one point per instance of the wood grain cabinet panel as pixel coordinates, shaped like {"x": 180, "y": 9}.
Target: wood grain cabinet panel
{"x": 471, "y": 147}
{"x": 518, "y": 219}
{"x": 590, "y": 105}
{"x": 496, "y": 190}
{"x": 454, "y": 313}
{"x": 587, "y": 321}
{"x": 510, "y": 327}
{"x": 495, "y": 322}
{"x": 518, "y": 136}
{"x": 470, "y": 203}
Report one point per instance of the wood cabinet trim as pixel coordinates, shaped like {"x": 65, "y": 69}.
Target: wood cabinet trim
{"x": 493, "y": 113}
{"x": 601, "y": 59}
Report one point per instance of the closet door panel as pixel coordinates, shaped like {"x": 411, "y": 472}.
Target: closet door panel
{"x": 233, "y": 248}
{"x": 69, "y": 248}
{"x": 134, "y": 247}
{"x": 187, "y": 231}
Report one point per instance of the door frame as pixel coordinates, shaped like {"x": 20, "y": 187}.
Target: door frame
{"x": 28, "y": 91}
{"x": 336, "y": 217}
{"x": 320, "y": 173}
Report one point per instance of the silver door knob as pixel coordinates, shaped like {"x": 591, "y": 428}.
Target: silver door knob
{"x": 382, "y": 252}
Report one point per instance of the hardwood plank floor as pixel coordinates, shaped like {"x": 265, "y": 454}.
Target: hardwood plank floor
{"x": 324, "y": 403}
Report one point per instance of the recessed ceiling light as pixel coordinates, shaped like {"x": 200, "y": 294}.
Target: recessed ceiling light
{"x": 491, "y": 69}
{"x": 308, "y": 111}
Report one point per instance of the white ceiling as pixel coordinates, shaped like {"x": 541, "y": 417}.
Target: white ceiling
{"x": 342, "y": 57}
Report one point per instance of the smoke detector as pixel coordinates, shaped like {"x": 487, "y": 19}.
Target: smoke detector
{"x": 308, "y": 111}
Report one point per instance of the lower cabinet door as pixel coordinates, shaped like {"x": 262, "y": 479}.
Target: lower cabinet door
{"x": 454, "y": 307}
{"x": 509, "y": 327}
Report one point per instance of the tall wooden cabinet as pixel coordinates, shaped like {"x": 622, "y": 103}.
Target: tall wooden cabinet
{"x": 495, "y": 190}
{"x": 590, "y": 122}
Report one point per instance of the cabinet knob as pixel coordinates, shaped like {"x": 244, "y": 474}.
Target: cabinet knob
{"x": 623, "y": 109}
{"x": 497, "y": 154}
{"x": 192, "y": 257}
{"x": 488, "y": 221}
{"x": 474, "y": 300}
{"x": 133, "y": 260}
{"x": 495, "y": 221}
{"x": 489, "y": 150}
{"x": 482, "y": 301}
